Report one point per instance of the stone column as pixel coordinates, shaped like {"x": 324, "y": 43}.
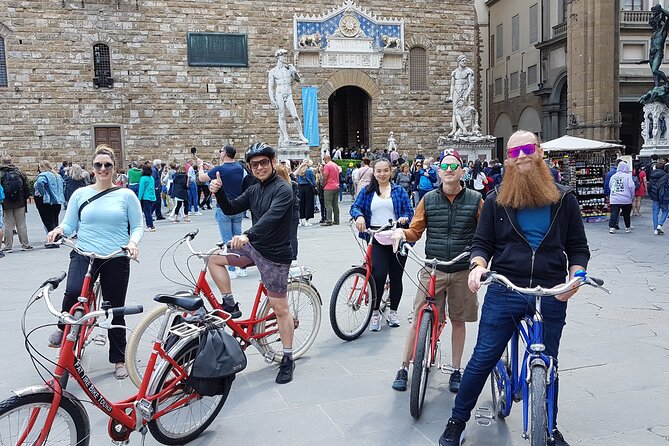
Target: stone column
{"x": 593, "y": 39}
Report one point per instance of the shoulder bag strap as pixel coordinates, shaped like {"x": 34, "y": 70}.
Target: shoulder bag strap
{"x": 95, "y": 197}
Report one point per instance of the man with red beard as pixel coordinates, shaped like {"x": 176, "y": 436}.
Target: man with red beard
{"x": 533, "y": 231}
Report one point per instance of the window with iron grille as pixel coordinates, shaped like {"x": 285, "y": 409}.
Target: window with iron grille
{"x": 3, "y": 64}
{"x": 418, "y": 68}
{"x": 102, "y": 66}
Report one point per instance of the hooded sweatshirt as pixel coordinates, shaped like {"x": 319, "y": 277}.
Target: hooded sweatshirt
{"x": 622, "y": 185}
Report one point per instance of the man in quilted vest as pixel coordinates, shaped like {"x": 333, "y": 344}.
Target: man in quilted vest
{"x": 449, "y": 214}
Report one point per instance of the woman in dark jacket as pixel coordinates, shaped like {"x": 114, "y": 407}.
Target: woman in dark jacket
{"x": 657, "y": 181}
{"x": 180, "y": 186}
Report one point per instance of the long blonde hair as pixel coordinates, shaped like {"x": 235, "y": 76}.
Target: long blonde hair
{"x": 44, "y": 166}
{"x": 283, "y": 172}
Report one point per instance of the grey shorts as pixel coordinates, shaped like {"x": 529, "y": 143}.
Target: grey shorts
{"x": 273, "y": 275}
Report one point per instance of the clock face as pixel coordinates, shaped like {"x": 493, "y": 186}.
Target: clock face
{"x": 349, "y": 26}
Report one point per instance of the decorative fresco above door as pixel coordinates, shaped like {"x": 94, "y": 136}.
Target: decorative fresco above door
{"x": 348, "y": 37}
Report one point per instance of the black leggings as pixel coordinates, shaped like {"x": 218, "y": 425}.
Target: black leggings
{"x": 176, "y": 209}
{"x": 48, "y": 213}
{"x": 114, "y": 274}
{"x": 384, "y": 264}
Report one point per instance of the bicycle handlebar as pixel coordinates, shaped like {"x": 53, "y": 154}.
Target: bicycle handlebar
{"x": 406, "y": 249}
{"x": 66, "y": 318}
{"x": 91, "y": 255}
{"x": 580, "y": 278}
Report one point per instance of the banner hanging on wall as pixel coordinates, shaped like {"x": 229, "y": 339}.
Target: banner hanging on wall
{"x": 310, "y": 115}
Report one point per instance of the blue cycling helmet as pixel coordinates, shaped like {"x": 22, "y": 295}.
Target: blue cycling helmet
{"x": 259, "y": 149}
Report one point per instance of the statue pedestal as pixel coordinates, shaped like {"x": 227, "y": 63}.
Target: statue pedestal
{"x": 293, "y": 150}
{"x": 470, "y": 148}
{"x": 654, "y": 130}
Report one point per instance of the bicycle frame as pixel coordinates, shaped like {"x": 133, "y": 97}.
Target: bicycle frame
{"x": 68, "y": 363}
{"x": 437, "y": 324}
{"x": 530, "y": 330}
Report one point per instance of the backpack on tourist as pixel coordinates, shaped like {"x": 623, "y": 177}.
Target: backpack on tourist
{"x": 637, "y": 182}
{"x": 12, "y": 183}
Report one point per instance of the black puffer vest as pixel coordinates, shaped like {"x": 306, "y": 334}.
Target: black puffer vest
{"x": 450, "y": 226}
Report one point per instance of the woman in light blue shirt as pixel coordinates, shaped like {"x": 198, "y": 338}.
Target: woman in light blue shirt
{"x": 106, "y": 223}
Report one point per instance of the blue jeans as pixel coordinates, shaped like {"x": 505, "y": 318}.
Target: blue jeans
{"x": 501, "y": 309}
{"x": 228, "y": 225}
{"x": 192, "y": 197}
{"x": 656, "y": 212}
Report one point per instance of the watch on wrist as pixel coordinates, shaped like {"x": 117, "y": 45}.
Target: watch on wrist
{"x": 474, "y": 265}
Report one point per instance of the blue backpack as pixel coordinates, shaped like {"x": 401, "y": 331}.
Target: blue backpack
{"x": 2, "y": 194}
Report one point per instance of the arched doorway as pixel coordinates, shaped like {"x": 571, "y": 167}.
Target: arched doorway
{"x": 349, "y": 116}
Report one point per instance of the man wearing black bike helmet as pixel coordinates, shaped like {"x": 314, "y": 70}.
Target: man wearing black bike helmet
{"x": 265, "y": 244}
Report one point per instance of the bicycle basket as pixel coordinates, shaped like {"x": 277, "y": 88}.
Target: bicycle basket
{"x": 218, "y": 359}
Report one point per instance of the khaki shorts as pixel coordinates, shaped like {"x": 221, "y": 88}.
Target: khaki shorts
{"x": 463, "y": 305}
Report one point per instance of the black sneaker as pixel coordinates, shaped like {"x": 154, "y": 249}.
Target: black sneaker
{"x": 285, "y": 371}
{"x": 558, "y": 439}
{"x": 401, "y": 379}
{"x": 234, "y": 310}
{"x": 454, "y": 381}
{"x": 452, "y": 435}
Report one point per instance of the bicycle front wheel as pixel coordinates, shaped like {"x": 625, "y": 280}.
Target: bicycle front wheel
{"x": 188, "y": 421}
{"x": 538, "y": 415}
{"x": 139, "y": 347}
{"x": 421, "y": 366}
{"x": 351, "y": 304}
{"x": 25, "y": 415}
{"x": 304, "y": 304}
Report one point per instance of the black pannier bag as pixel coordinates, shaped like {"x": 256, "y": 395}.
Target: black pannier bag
{"x": 218, "y": 359}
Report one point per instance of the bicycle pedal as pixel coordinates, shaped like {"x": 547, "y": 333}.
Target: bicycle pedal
{"x": 484, "y": 416}
{"x": 269, "y": 357}
{"x": 100, "y": 340}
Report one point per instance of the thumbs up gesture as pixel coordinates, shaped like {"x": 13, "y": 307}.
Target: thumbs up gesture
{"x": 215, "y": 185}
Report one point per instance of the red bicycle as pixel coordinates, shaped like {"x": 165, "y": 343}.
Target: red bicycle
{"x": 355, "y": 291}
{"x": 260, "y": 329}
{"x": 165, "y": 404}
{"x": 90, "y": 298}
{"x": 429, "y": 326}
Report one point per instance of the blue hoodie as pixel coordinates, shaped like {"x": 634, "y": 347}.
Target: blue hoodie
{"x": 621, "y": 185}
{"x": 50, "y": 187}
{"x": 607, "y": 189}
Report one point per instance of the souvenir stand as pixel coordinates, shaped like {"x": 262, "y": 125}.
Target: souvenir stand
{"x": 583, "y": 164}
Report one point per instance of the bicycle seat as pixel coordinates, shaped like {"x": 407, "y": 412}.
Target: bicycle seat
{"x": 189, "y": 302}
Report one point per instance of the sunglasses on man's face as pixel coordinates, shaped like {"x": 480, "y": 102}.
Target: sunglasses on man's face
{"x": 261, "y": 163}
{"x": 99, "y": 166}
{"x": 452, "y": 166}
{"x": 527, "y": 149}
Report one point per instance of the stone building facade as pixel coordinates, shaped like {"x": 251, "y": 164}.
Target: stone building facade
{"x": 160, "y": 106}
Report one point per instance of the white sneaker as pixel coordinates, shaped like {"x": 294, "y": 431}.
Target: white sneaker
{"x": 375, "y": 324}
{"x": 656, "y": 232}
{"x": 628, "y": 230}
{"x": 241, "y": 272}
{"x": 392, "y": 319}
{"x": 612, "y": 230}
{"x": 232, "y": 273}
{"x": 306, "y": 223}
{"x": 659, "y": 230}
{"x": 197, "y": 213}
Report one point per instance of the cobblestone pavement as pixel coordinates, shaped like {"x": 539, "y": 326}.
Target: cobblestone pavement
{"x": 614, "y": 356}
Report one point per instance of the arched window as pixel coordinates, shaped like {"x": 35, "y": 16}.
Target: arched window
{"x": 3, "y": 63}
{"x": 102, "y": 66}
{"x": 418, "y": 68}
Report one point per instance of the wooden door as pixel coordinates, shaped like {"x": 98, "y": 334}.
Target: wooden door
{"x": 112, "y": 137}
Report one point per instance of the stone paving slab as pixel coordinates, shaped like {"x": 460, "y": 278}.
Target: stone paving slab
{"x": 614, "y": 356}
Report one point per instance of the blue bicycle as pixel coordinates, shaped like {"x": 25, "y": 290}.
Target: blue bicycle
{"x": 533, "y": 380}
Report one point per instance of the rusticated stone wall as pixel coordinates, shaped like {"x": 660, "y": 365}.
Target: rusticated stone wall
{"x": 50, "y": 107}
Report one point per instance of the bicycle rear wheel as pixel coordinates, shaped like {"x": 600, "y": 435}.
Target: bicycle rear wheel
{"x": 351, "y": 304}
{"x": 537, "y": 403}
{"x": 139, "y": 347}
{"x": 188, "y": 421}
{"x": 70, "y": 426}
{"x": 304, "y": 304}
{"x": 421, "y": 366}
